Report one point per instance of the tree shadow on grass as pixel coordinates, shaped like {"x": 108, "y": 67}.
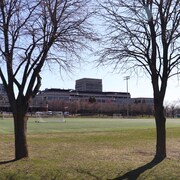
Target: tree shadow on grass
{"x": 6, "y": 162}
{"x": 134, "y": 174}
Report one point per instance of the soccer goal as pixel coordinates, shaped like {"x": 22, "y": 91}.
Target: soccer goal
{"x": 117, "y": 116}
{"x": 46, "y": 117}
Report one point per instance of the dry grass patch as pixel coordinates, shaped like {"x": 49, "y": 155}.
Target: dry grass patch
{"x": 90, "y": 155}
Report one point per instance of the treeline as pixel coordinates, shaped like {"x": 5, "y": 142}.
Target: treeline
{"x": 93, "y": 107}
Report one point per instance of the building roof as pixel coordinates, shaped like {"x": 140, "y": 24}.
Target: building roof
{"x": 89, "y": 79}
{"x": 83, "y": 92}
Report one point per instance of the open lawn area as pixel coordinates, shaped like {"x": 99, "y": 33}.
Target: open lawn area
{"x": 90, "y": 148}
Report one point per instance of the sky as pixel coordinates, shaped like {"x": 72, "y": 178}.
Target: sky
{"x": 137, "y": 86}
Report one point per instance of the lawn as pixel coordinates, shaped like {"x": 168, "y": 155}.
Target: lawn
{"x": 89, "y": 148}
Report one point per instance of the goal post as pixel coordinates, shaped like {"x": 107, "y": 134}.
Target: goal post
{"x": 117, "y": 116}
{"x": 47, "y": 117}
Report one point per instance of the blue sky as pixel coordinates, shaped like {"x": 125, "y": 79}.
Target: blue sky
{"x": 138, "y": 86}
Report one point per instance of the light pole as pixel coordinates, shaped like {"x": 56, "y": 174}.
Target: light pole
{"x": 127, "y": 78}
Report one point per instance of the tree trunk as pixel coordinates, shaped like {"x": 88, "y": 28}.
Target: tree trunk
{"x": 20, "y": 128}
{"x": 160, "y": 132}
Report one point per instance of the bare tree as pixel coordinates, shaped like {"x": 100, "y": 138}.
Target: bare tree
{"x": 32, "y": 33}
{"x": 144, "y": 35}
{"x": 171, "y": 108}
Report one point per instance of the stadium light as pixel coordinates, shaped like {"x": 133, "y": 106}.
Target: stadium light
{"x": 127, "y": 78}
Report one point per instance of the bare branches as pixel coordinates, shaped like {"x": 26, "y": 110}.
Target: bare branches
{"x": 144, "y": 34}
{"x": 32, "y": 32}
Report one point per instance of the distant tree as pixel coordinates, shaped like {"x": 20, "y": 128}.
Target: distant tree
{"x": 92, "y": 99}
{"x": 32, "y": 33}
{"x": 73, "y": 107}
{"x": 171, "y": 109}
{"x": 57, "y": 105}
{"x": 144, "y": 35}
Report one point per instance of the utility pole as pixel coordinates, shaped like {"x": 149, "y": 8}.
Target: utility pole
{"x": 127, "y": 78}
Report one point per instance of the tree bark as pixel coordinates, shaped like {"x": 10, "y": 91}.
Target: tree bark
{"x": 20, "y": 128}
{"x": 160, "y": 132}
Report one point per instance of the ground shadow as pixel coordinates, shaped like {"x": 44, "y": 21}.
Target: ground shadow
{"x": 134, "y": 174}
{"x": 6, "y": 162}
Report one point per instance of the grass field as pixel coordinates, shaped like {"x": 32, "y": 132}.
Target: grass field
{"x": 89, "y": 148}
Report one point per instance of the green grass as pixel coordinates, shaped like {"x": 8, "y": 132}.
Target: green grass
{"x": 85, "y": 125}
{"x": 89, "y": 149}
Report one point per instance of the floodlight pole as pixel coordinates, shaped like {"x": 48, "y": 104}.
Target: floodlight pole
{"x": 127, "y": 78}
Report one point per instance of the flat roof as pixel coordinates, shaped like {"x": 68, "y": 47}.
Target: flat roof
{"x": 83, "y": 92}
{"x": 88, "y": 79}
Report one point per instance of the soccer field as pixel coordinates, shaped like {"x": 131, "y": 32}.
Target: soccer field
{"x": 84, "y": 125}
{"x": 89, "y": 148}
